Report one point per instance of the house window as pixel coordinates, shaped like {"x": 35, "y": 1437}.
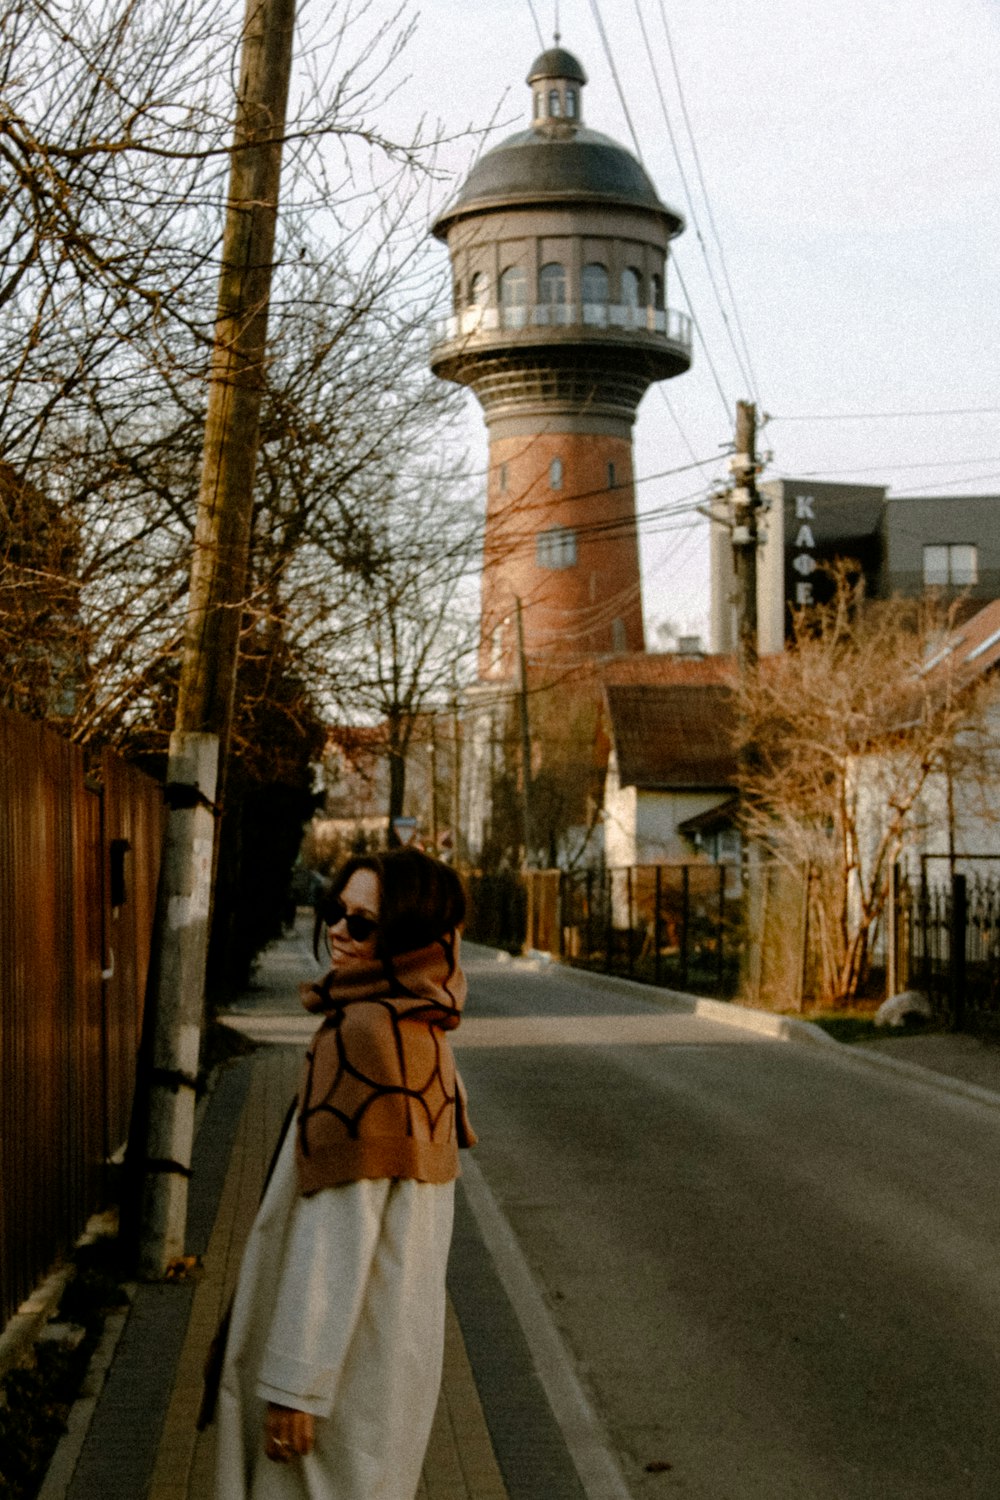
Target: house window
{"x": 556, "y": 548}
{"x": 556, "y": 474}
{"x": 951, "y": 564}
{"x": 514, "y": 297}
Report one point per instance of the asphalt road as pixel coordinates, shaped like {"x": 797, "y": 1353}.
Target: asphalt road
{"x": 775, "y": 1270}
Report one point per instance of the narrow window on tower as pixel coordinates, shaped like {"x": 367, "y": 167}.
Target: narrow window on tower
{"x": 556, "y": 548}
{"x": 571, "y": 104}
{"x": 612, "y": 476}
{"x": 538, "y": 104}
{"x": 514, "y": 297}
{"x": 552, "y": 293}
{"x": 479, "y": 290}
{"x": 595, "y": 294}
{"x": 555, "y": 108}
{"x": 619, "y": 639}
{"x": 632, "y": 297}
{"x": 556, "y": 474}
{"x": 502, "y": 479}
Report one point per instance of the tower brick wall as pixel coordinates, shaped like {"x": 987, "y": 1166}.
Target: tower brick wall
{"x": 561, "y": 537}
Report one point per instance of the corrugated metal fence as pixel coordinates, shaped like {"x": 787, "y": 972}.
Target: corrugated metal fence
{"x": 72, "y": 977}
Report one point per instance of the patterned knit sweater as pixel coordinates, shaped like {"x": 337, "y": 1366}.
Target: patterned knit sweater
{"x": 380, "y": 1094}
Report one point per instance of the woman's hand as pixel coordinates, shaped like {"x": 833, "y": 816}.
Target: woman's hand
{"x": 287, "y": 1433}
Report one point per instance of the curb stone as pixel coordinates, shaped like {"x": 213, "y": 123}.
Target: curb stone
{"x": 62, "y": 1465}
{"x": 764, "y": 1023}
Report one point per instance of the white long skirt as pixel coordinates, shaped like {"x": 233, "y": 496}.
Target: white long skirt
{"x": 339, "y": 1311}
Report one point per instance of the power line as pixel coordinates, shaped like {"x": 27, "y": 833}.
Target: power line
{"x": 534, "y": 17}
{"x": 638, "y": 149}
{"x": 878, "y": 416}
{"x": 742, "y": 359}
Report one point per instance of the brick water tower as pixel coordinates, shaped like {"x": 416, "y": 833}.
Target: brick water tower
{"x": 559, "y": 245}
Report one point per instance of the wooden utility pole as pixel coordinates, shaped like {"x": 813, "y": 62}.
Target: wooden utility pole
{"x": 522, "y": 699}
{"x": 219, "y": 567}
{"x": 745, "y": 508}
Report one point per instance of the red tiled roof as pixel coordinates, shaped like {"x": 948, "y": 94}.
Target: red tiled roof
{"x": 673, "y": 735}
{"x": 667, "y": 669}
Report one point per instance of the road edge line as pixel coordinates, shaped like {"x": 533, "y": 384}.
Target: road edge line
{"x": 586, "y": 1442}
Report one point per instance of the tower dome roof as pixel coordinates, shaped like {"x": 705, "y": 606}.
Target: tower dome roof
{"x": 557, "y": 159}
{"x": 534, "y": 166}
{"x": 557, "y": 63}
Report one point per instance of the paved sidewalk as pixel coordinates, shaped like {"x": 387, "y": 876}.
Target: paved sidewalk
{"x": 460, "y": 1461}
{"x": 139, "y": 1440}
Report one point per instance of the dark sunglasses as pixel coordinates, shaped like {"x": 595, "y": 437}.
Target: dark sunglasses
{"x": 359, "y": 927}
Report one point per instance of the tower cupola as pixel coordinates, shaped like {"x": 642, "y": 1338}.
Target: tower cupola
{"x": 556, "y": 81}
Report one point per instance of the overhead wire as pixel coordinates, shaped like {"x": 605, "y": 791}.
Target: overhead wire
{"x": 879, "y": 416}
{"x": 742, "y": 355}
{"x": 754, "y": 385}
{"x": 602, "y": 33}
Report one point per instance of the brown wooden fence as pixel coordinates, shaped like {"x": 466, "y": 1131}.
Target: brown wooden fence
{"x": 73, "y": 960}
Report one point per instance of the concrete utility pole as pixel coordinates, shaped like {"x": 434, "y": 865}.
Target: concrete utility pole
{"x": 200, "y": 741}
{"x": 745, "y": 509}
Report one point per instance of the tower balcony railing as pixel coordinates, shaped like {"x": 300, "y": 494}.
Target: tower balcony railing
{"x": 473, "y": 322}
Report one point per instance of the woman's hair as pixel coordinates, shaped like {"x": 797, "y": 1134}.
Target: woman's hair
{"x": 422, "y": 899}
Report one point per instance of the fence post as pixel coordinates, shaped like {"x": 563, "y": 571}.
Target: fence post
{"x": 685, "y": 921}
{"x": 720, "y": 965}
{"x": 956, "y": 949}
{"x": 609, "y": 926}
{"x": 892, "y": 934}
{"x": 657, "y": 924}
{"x": 590, "y": 913}
{"x": 631, "y": 913}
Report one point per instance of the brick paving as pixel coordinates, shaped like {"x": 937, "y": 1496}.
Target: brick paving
{"x": 141, "y": 1443}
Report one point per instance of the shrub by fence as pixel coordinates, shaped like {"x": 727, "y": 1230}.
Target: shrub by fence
{"x": 78, "y": 866}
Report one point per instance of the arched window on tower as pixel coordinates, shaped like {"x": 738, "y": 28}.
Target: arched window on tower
{"x": 619, "y": 636}
{"x": 595, "y": 294}
{"x": 555, "y": 105}
{"x": 631, "y": 295}
{"x": 514, "y": 297}
{"x": 556, "y": 474}
{"x": 479, "y": 290}
{"x": 552, "y": 293}
{"x": 656, "y": 291}
{"x": 555, "y": 548}
{"x": 571, "y": 104}
{"x": 538, "y": 103}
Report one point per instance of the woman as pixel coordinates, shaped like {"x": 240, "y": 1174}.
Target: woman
{"x": 334, "y": 1356}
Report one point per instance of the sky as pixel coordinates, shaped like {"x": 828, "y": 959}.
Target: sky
{"x": 850, "y": 156}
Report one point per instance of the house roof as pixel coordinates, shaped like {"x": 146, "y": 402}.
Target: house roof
{"x": 972, "y": 650}
{"x": 667, "y": 669}
{"x": 672, "y": 736}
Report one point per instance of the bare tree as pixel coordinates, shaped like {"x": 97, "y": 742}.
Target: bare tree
{"x": 841, "y": 735}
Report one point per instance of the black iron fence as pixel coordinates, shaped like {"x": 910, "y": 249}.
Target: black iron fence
{"x": 947, "y": 937}
{"x": 676, "y": 925}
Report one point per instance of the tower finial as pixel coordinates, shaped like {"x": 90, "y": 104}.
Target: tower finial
{"x": 557, "y": 35}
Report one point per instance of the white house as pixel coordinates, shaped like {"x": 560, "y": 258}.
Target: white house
{"x": 669, "y": 789}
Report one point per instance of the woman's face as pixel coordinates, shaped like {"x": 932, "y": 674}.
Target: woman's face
{"x": 361, "y": 897}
